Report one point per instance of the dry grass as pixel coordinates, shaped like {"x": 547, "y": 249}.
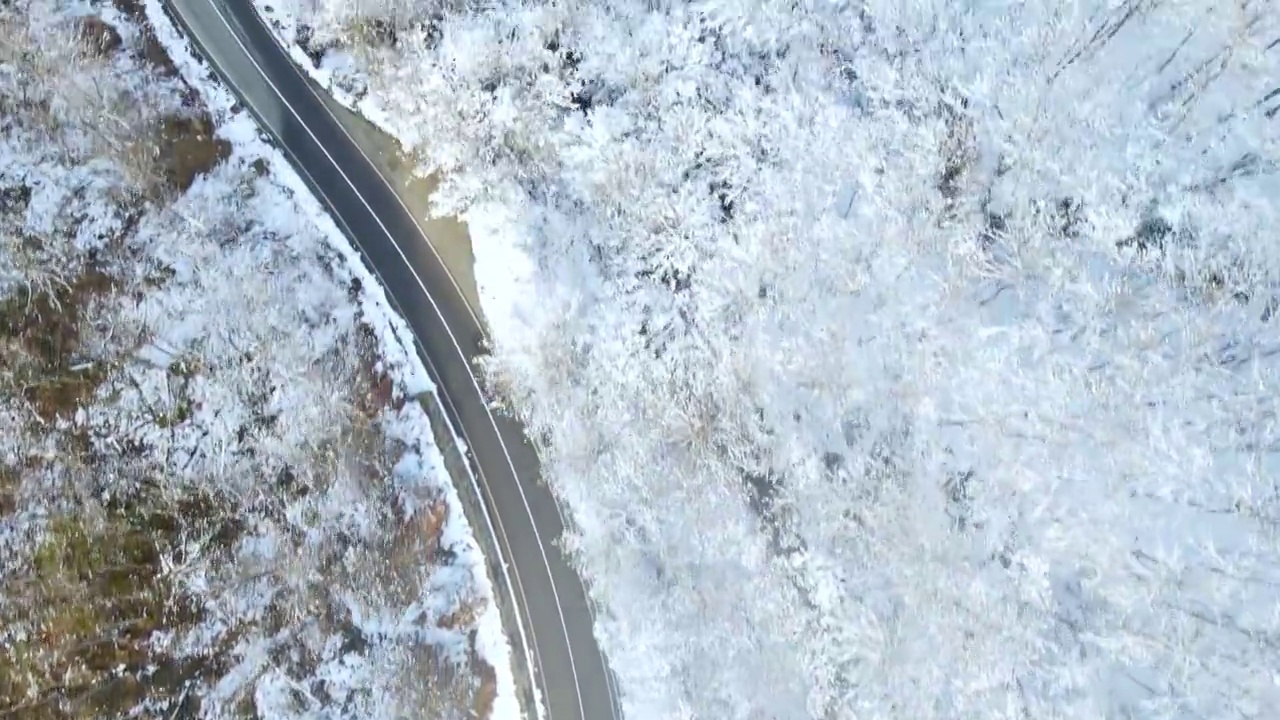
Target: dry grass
{"x": 89, "y": 603}
{"x": 487, "y": 691}
{"x": 182, "y": 147}
{"x": 80, "y": 614}
{"x": 463, "y": 617}
{"x": 152, "y": 51}
{"x": 395, "y": 564}
{"x": 99, "y": 37}
{"x": 381, "y": 393}
{"x": 80, "y": 611}
{"x": 435, "y": 688}
{"x": 40, "y": 336}
{"x": 9, "y": 479}
{"x": 160, "y": 153}
{"x": 186, "y": 148}
{"x": 86, "y": 602}
{"x": 372, "y": 31}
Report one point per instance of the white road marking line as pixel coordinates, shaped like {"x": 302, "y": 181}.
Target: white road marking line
{"x": 452, "y": 338}
{"x": 452, "y": 280}
{"x": 501, "y": 531}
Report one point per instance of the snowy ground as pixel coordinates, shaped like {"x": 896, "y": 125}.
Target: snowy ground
{"x": 217, "y": 496}
{"x": 947, "y": 329}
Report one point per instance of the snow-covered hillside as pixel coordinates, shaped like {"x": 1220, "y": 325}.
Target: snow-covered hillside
{"x": 894, "y": 359}
{"x": 218, "y": 497}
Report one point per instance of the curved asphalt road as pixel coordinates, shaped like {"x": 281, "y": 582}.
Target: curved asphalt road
{"x": 553, "y": 639}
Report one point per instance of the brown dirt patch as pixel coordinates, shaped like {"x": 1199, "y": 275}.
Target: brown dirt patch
{"x": 464, "y": 617}
{"x": 9, "y": 480}
{"x": 187, "y": 148}
{"x": 184, "y": 146}
{"x": 381, "y": 391}
{"x": 99, "y": 37}
{"x": 418, "y": 540}
{"x": 43, "y": 332}
{"x": 487, "y": 690}
{"x": 151, "y": 50}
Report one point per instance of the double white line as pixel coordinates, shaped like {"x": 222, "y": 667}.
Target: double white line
{"x": 496, "y": 530}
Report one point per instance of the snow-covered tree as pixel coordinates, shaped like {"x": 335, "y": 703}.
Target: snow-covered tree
{"x": 893, "y": 359}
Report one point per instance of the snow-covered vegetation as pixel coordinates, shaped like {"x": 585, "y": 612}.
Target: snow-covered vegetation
{"x": 218, "y": 497}
{"x": 894, "y": 359}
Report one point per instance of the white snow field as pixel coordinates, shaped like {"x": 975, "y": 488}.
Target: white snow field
{"x": 892, "y": 359}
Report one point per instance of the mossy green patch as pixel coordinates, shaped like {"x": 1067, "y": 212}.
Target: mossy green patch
{"x": 82, "y": 618}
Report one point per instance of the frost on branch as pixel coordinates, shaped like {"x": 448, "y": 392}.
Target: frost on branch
{"x": 894, "y": 359}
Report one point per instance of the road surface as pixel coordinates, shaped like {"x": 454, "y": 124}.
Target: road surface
{"x": 553, "y": 640}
